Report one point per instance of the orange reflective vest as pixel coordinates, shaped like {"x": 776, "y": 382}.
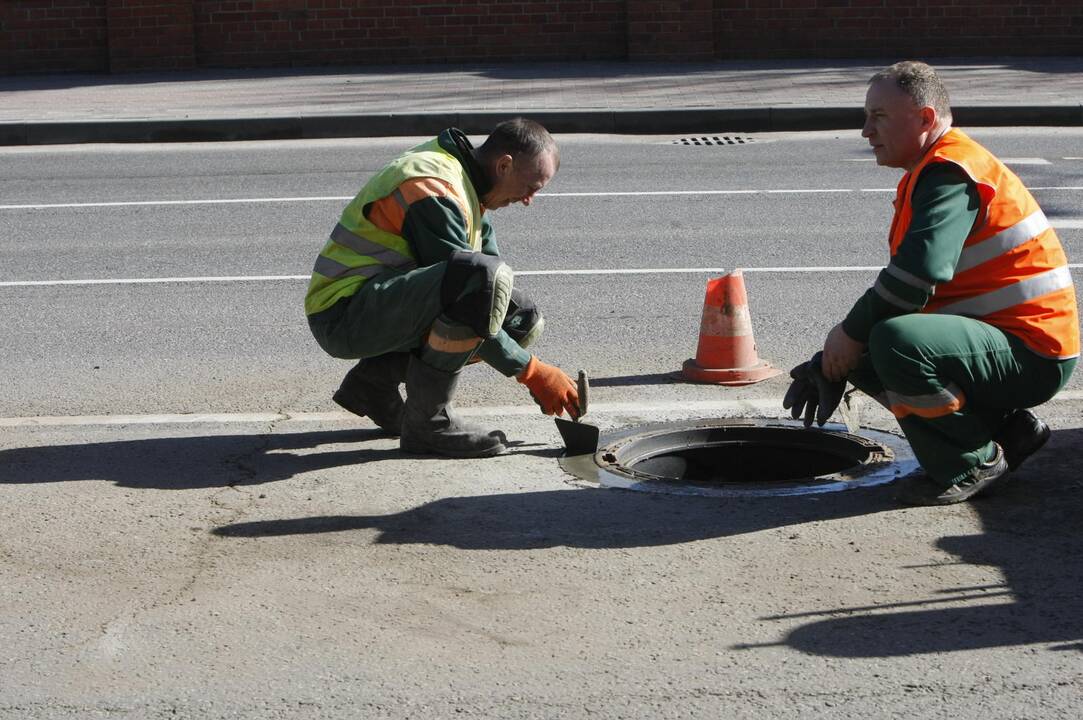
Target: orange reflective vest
{"x": 1012, "y": 272}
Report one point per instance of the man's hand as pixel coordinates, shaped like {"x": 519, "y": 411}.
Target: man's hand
{"x": 550, "y": 387}
{"x": 841, "y": 354}
{"x": 811, "y": 394}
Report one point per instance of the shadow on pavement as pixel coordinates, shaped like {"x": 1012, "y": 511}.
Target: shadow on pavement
{"x": 1031, "y": 533}
{"x": 581, "y": 518}
{"x": 185, "y": 463}
{"x": 625, "y": 380}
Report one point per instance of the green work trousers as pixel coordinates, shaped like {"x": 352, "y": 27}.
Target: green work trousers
{"x": 394, "y": 311}
{"x": 924, "y": 355}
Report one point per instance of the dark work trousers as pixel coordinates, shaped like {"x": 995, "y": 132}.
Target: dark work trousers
{"x": 950, "y": 381}
{"x": 395, "y": 312}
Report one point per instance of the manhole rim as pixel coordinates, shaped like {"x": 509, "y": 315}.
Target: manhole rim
{"x": 895, "y": 458}
{"x": 874, "y": 452}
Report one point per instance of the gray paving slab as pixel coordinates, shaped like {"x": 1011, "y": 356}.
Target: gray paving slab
{"x": 571, "y": 97}
{"x": 308, "y": 569}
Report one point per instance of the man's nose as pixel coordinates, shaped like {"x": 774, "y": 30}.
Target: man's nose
{"x": 866, "y": 129}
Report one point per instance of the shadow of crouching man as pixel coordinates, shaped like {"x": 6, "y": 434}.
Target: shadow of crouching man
{"x": 185, "y": 463}
{"x": 1030, "y": 532}
{"x": 581, "y": 518}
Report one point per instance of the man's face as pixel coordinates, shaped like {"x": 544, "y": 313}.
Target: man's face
{"x": 895, "y": 127}
{"x": 519, "y": 180}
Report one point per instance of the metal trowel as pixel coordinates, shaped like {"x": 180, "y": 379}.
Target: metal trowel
{"x": 579, "y": 438}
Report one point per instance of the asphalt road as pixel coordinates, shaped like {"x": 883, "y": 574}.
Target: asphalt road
{"x": 170, "y": 213}
{"x": 265, "y": 556}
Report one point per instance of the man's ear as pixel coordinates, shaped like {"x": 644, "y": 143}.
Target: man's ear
{"x": 503, "y": 165}
{"x": 928, "y": 118}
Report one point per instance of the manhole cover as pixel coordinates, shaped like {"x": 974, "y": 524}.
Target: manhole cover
{"x": 715, "y": 140}
{"x": 729, "y": 457}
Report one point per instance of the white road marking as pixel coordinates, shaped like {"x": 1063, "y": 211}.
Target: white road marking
{"x": 344, "y": 198}
{"x": 603, "y": 271}
{"x": 1067, "y": 223}
{"x": 147, "y": 281}
{"x": 1025, "y": 161}
{"x": 768, "y": 406}
{"x": 143, "y": 203}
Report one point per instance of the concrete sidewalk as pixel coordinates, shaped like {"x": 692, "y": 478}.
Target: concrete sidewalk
{"x": 568, "y": 97}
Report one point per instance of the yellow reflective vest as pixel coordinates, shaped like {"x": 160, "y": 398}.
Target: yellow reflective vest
{"x": 358, "y": 250}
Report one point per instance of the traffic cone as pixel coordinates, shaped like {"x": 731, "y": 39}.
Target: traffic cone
{"x": 726, "y": 354}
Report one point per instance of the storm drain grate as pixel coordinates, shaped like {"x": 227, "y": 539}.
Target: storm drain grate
{"x": 715, "y": 140}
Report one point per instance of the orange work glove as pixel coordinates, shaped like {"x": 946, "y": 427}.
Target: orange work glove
{"x": 554, "y": 391}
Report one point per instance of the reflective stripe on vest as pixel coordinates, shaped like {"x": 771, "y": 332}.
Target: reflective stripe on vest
{"x": 1026, "y": 229}
{"x": 1011, "y": 295}
{"x": 363, "y": 246}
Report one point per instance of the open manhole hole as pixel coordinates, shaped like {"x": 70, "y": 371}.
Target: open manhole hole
{"x": 715, "y": 140}
{"x": 731, "y": 457}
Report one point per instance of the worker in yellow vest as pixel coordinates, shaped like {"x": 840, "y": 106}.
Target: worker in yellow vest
{"x": 411, "y": 284}
{"x": 974, "y": 319}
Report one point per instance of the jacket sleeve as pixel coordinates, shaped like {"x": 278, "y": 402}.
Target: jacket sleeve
{"x": 945, "y": 205}
{"x": 502, "y": 352}
{"x": 426, "y": 214}
{"x": 488, "y": 238}
{"x": 435, "y": 227}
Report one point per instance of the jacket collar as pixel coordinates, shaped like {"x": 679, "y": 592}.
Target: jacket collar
{"x": 455, "y": 142}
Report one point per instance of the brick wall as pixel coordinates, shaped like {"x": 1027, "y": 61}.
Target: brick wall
{"x": 151, "y": 34}
{"x": 660, "y": 30}
{"x": 52, "y": 36}
{"x": 130, "y": 35}
{"x": 896, "y": 28}
{"x": 243, "y": 33}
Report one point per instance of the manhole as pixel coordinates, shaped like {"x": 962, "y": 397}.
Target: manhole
{"x": 715, "y": 140}
{"x": 730, "y": 457}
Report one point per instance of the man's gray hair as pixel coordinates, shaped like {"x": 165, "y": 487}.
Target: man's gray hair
{"x": 517, "y": 137}
{"x": 921, "y": 83}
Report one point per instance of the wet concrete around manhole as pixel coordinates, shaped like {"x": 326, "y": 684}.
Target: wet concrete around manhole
{"x": 742, "y": 457}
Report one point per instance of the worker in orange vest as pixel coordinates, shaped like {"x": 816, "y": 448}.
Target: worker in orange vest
{"x": 974, "y": 318}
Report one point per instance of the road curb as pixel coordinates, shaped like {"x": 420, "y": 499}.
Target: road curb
{"x": 632, "y": 122}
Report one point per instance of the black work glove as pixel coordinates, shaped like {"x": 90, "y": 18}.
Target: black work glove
{"x": 811, "y": 394}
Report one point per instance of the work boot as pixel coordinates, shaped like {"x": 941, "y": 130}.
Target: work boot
{"x": 1021, "y": 435}
{"x": 371, "y": 389}
{"x": 920, "y": 489}
{"x": 430, "y": 426}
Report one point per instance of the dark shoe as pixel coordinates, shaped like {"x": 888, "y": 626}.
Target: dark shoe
{"x": 920, "y": 489}
{"x": 371, "y": 389}
{"x": 430, "y": 425}
{"x": 1021, "y": 435}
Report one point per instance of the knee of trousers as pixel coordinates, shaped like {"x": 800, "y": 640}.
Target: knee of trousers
{"x": 468, "y": 285}
{"x": 894, "y": 349}
{"x": 524, "y": 321}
